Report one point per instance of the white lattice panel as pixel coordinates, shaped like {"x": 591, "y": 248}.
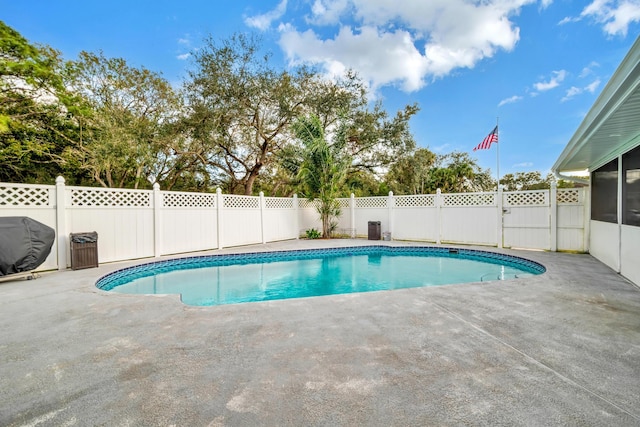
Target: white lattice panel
{"x": 188, "y": 200}
{"x": 371, "y": 202}
{"x": 569, "y": 196}
{"x": 344, "y": 203}
{"x": 306, "y": 203}
{"x": 241, "y": 202}
{"x": 278, "y": 203}
{"x": 24, "y": 196}
{"x": 422, "y": 200}
{"x": 469, "y": 199}
{"x": 95, "y": 197}
{"x": 526, "y": 198}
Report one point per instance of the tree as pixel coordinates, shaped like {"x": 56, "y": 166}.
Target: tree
{"x": 36, "y": 111}
{"x": 129, "y": 136}
{"x": 374, "y": 140}
{"x": 412, "y": 174}
{"x": 323, "y": 170}
{"x": 521, "y": 181}
{"x": 423, "y": 172}
{"x": 457, "y": 172}
{"x": 241, "y": 109}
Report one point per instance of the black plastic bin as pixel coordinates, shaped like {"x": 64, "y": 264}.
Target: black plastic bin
{"x": 374, "y": 230}
{"x": 84, "y": 250}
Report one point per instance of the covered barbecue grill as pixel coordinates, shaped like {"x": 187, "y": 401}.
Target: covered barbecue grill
{"x": 24, "y": 244}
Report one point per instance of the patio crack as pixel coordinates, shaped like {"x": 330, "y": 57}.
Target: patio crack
{"x": 536, "y": 361}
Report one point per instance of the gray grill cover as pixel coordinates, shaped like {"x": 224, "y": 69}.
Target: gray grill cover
{"x": 24, "y": 244}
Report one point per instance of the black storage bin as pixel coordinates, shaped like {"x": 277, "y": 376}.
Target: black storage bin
{"x": 374, "y": 230}
{"x": 84, "y": 250}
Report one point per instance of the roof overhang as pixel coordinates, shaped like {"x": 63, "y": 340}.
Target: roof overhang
{"x": 612, "y": 126}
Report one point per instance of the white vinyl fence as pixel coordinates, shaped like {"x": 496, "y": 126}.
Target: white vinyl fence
{"x": 135, "y": 224}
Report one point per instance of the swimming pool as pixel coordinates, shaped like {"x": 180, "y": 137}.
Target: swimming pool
{"x": 262, "y": 276}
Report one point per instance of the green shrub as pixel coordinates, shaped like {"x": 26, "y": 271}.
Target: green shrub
{"x": 312, "y": 233}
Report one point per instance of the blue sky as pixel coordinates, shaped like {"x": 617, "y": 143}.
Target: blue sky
{"x": 537, "y": 65}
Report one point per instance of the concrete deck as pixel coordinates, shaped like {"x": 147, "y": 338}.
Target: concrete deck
{"x": 562, "y": 348}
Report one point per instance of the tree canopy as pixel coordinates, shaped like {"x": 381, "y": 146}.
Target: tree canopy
{"x": 234, "y": 123}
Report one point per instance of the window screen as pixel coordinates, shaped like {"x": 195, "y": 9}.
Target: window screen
{"x": 604, "y": 193}
{"x": 631, "y": 187}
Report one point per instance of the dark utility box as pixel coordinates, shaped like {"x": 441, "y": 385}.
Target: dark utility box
{"x": 374, "y": 230}
{"x": 84, "y": 250}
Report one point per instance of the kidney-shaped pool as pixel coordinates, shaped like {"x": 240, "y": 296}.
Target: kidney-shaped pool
{"x": 261, "y": 276}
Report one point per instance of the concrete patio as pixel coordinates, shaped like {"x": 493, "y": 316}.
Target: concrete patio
{"x": 562, "y": 348}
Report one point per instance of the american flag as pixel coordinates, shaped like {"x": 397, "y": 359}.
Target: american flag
{"x": 486, "y": 143}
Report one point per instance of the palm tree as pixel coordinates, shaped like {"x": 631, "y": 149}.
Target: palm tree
{"x": 323, "y": 170}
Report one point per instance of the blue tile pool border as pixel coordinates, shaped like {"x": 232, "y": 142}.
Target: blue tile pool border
{"x": 125, "y": 275}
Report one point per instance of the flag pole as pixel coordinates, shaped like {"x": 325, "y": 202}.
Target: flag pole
{"x": 498, "y": 153}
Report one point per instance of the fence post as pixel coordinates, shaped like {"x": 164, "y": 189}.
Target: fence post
{"x": 500, "y": 212}
{"x": 439, "y": 215}
{"x": 61, "y": 223}
{"x": 157, "y": 218}
{"x": 553, "y": 206}
{"x": 586, "y": 200}
{"x": 261, "y": 202}
{"x": 296, "y": 217}
{"x": 219, "y": 209}
{"x": 390, "y": 208}
{"x": 352, "y": 209}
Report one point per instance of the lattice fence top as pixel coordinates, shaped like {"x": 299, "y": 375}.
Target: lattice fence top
{"x": 97, "y": 197}
{"x": 241, "y": 202}
{"x": 527, "y": 198}
{"x": 188, "y": 200}
{"x": 24, "y": 196}
{"x": 278, "y": 203}
{"x": 421, "y": 200}
{"x": 371, "y": 202}
{"x": 306, "y": 203}
{"x": 344, "y": 203}
{"x": 569, "y": 196}
{"x": 469, "y": 199}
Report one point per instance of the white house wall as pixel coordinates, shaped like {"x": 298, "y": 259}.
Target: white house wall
{"x": 605, "y": 243}
{"x": 630, "y": 250}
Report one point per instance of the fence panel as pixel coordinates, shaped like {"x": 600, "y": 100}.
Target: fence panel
{"x": 571, "y": 219}
{"x": 527, "y": 219}
{"x": 279, "y": 219}
{"x": 123, "y": 219}
{"x": 371, "y": 209}
{"x": 188, "y": 222}
{"x": 241, "y": 224}
{"x": 308, "y": 216}
{"x": 469, "y": 218}
{"x": 416, "y": 218}
{"x": 37, "y": 202}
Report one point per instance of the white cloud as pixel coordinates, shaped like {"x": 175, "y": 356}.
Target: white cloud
{"x": 263, "y": 22}
{"x": 553, "y": 82}
{"x": 511, "y": 100}
{"x": 593, "y": 86}
{"x": 588, "y": 70}
{"x": 574, "y": 91}
{"x": 327, "y": 12}
{"x": 407, "y": 42}
{"x": 441, "y": 148}
{"x": 615, "y": 16}
{"x": 523, "y": 165}
{"x": 183, "y": 56}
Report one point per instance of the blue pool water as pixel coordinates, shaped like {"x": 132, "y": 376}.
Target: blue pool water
{"x": 229, "y": 279}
